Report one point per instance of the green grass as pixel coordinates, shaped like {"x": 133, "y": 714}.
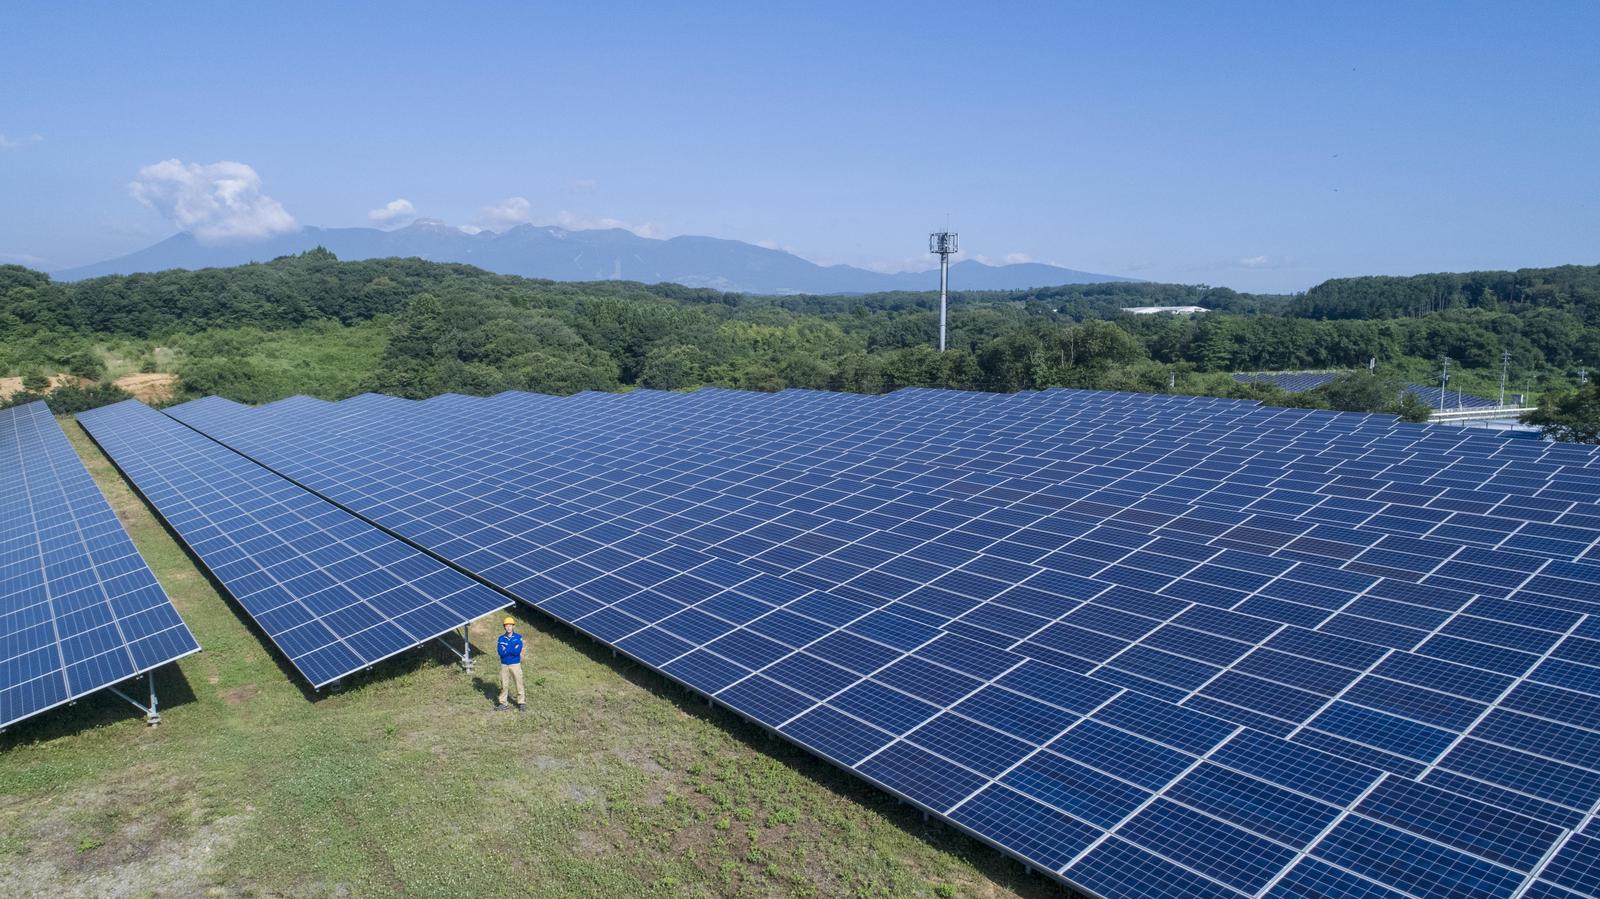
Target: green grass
{"x": 615, "y": 783}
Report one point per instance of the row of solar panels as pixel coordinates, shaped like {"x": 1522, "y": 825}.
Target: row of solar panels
{"x": 80, "y": 611}
{"x": 1154, "y": 645}
{"x": 1432, "y": 397}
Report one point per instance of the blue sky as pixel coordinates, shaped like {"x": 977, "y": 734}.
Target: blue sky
{"x": 1265, "y": 146}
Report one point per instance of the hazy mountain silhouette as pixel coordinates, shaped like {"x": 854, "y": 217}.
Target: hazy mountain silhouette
{"x": 537, "y": 251}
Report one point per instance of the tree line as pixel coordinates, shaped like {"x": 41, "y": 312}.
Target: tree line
{"x": 417, "y": 328}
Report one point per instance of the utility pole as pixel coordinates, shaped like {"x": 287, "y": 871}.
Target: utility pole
{"x": 1505, "y": 365}
{"x": 944, "y": 244}
{"x": 1444, "y": 378}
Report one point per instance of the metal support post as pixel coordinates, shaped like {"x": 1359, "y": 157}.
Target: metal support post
{"x": 152, "y": 715}
{"x": 466, "y": 650}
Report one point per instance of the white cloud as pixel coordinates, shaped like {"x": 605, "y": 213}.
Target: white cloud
{"x": 13, "y": 143}
{"x": 217, "y": 202}
{"x": 579, "y": 221}
{"x": 1265, "y": 262}
{"x": 396, "y": 210}
{"x": 507, "y": 213}
{"x": 903, "y": 264}
{"x": 514, "y": 211}
{"x": 1007, "y": 259}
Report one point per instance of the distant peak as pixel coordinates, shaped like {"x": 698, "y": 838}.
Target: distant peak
{"x": 431, "y": 225}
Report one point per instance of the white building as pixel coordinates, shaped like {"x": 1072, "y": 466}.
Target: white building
{"x": 1171, "y": 310}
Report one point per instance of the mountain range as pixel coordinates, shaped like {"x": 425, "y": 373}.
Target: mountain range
{"x": 538, "y": 251}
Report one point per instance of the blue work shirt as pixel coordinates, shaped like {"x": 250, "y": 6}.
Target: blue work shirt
{"x": 510, "y": 648}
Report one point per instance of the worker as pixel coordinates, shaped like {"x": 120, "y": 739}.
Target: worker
{"x": 510, "y": 648}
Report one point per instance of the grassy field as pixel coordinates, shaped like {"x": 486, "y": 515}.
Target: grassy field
{"x": 616, "y": 783}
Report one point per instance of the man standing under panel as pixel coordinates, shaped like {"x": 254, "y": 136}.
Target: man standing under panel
{"x": 510, "y": 648}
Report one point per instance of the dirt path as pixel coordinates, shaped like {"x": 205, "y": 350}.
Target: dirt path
{"x": 9, "y": 386}
{"x": 152, "y": 387}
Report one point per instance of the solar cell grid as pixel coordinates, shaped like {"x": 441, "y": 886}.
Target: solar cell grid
{"x": 333, "y": 593}
{"x": 79, "y": 608}
{"x": 927, "y": 776}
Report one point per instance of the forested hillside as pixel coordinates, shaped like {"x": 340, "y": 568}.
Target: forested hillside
{"x": 311, "y": 323}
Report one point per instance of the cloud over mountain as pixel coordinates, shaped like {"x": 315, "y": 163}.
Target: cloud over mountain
{"x": 216, "y": 203}
{"x": 393, "y": 212}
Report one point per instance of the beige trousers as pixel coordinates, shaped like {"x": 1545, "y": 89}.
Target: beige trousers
{"x": 508, "y": 675}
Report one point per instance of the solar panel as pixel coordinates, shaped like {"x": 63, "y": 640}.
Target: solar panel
{"x": 80, "y": 610}
{"x": 333, "y": 593}
{"x": 1443, "y": 398}
{"x": 1115, "y": 692}
{"x": 1432, "y": 397}
{"x": 1292, "y": 381}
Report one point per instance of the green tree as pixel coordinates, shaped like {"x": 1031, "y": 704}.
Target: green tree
{"x": 1411, "y": 408}
{"x": 1569, "y": 417}
{"x": 1360, "y": 391}
{"x": 673, "y": 367}
{"x": 86, "y": 364}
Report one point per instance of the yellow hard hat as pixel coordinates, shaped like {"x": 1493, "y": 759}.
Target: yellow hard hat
{"x": 509, "y": 620}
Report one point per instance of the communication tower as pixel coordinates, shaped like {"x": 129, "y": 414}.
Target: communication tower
{"x": 944, "y": 244}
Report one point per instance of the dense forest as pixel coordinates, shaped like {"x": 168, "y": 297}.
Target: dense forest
{"x": 312, "y": 324}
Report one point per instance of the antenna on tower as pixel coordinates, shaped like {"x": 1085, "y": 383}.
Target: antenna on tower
{"x": 944, "y": 244}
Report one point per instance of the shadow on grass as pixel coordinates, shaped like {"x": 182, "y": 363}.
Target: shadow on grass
{"x": 1002, "y": 870}
{"x": 101, "y": 709}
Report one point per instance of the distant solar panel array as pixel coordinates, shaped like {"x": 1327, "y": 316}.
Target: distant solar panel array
{"x": 1292, "y": 381}
{"x": 1153, "y": 645}
{"x": 1437, "y": 398}
{"x": 1432, "y": 397}
{"x": 80, "y": 610}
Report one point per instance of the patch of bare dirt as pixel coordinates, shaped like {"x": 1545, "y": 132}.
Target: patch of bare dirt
{"x": 98, "y": 844}
{"x": 9, "y": 386}
{"x": 149, "y": 387}
{"x": 239, "y": 694}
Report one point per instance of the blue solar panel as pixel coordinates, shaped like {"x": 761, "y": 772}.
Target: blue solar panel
{"x": 333, "y": 593}
{"x": 79, "y": 608}
{"x": 1292, "y": 381}
{"x": 1159, "y": 688}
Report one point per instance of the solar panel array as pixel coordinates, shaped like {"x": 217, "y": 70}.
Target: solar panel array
{"x": 79, "y": 609}
{"x": 1154, "y": 645}
{"x": 1437, "y": 398}
{"x": 332, "y": 592}
{"x": 1292, "y": 381}
{"x": 1432, "y": 397}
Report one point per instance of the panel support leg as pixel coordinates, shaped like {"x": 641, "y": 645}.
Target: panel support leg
{"x": 465, "y": 653}
{"x": 152, "y": 713}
